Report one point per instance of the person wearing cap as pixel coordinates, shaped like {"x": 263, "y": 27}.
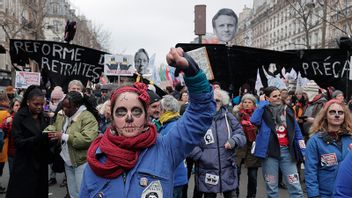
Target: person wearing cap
{"x": 154, "y": 108}
{"x": 326, "y": 149}
{"x": 316, "y": 101}
{"x": 215, "y": 159}
{"x": 131, "y": 159}
{"x": 244, "y": 155}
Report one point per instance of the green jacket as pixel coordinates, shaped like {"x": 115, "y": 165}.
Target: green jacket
{"x": 82, "y": 131}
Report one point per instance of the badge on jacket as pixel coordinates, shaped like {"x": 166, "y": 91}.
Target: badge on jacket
{"x": 211, "y": 179}
{"x": 154, "y": 190}
{"x": 209, "y": 138}
{"x": 328, "y": 159}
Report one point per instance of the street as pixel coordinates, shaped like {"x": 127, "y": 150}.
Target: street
{"x": 59, "y": 192}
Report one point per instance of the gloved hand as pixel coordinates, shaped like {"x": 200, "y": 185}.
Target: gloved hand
{"x": 180, "y": 60}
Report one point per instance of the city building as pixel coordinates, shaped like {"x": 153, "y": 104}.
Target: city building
{"x": 294, "y": 24}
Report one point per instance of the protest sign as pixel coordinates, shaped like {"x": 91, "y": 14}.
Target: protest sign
{"x": 26, "y": 79}
{"x": 118, "y": 65}
{"x": 200, "y": 55}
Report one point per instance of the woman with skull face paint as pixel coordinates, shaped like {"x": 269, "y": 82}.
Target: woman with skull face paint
{"x": 327, "y": 148}
{"x": 130, "y": 160}
{"x": 75, "y": 127}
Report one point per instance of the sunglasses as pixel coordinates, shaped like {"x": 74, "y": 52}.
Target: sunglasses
{"x": 217, "y": 101}
{"x": 334, "y": 112}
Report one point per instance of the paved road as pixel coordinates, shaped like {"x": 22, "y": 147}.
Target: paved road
{"x": 58, "y": 192}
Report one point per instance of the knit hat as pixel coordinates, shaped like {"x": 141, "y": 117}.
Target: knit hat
{"x": 249, "y": 97}
{"x": 153, "y": 96}
{"x": 57, "y": 93}
{"x": 336, "y": 93}
{"x": 311, "y": 89}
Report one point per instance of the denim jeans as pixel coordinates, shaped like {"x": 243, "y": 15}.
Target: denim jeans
{"x": 289, "y": 172}
{"x": 74, "y": 178}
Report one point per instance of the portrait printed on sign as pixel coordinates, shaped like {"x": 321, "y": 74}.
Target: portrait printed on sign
{"x": 141, "y": 62}
{"x": 225, "y": 24}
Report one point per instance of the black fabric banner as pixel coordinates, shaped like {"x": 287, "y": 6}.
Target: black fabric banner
{"x": 58, "y": 63}
{"x": 236, "y": 65}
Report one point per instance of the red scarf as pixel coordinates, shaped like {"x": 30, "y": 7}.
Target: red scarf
{"x": 121, "y": 152}
{"x": 248, "y": 128}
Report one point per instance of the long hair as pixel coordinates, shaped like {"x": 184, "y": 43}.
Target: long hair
{"x": 78, "y": 99}
{"x": 31, "y": 92}
{"x": 321, "y": 122}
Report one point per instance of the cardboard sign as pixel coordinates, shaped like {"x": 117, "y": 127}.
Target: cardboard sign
{"x": 118, "y": 65}
{"x": 26, "y": 79}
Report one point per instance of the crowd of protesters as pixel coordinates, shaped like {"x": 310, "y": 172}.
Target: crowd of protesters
{"x": 132, "y": 142}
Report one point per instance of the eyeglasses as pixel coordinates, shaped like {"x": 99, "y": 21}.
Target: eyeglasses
{"x": 334, "y": 112}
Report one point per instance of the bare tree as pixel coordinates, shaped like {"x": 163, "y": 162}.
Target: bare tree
{"x": 302, "y": 13}
{"x": 90, "y": 35}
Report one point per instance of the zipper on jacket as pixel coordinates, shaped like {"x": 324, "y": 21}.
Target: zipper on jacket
{"x": 218, "y": 148}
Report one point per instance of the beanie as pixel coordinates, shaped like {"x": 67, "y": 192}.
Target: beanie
{"x": 153, "y": 96}
{"x": 311, "y": 89}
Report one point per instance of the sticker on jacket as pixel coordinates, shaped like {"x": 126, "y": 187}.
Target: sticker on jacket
{"x": 154, "y": 190}
{"x": 211, "y": 179}
{"x": 209, "y": 138}
{"x": 302, "y": 144}
{"x": 329, "y": 159}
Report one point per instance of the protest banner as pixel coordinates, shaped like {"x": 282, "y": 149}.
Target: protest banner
{"x": 58, "y": 63}
{"x": 234, "y": 66}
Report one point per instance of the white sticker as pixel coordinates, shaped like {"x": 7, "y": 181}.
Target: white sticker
{"x": 328, "y": 159}
{"x": 211, "y": 179}
{"x": 154, "y": 190}
{"x": 302, "y": 144}
{"x": 209, "y": 138}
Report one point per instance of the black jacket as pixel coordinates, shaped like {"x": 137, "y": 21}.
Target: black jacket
{"x": 30, "y": 172}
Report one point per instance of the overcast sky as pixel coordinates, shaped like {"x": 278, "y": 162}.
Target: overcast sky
{"x": 155, "y": 25}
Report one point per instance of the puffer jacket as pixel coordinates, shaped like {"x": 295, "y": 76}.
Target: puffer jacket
{"x": 216, "y": 166}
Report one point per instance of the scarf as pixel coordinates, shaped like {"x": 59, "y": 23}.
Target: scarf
{"x": 248, "y": 128}
{"x": 279, "y": 114}
{"x": 121, "y": 152}
{"x": 164, "y": 117}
